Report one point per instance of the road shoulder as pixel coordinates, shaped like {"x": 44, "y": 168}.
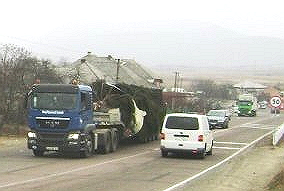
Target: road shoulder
{"x": 253, "y": 170}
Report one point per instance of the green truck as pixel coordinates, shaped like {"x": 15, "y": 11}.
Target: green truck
{"x": 247, "y": 105}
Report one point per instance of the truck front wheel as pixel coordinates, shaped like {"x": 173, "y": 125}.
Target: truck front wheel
{"x": 38, "y": 153}
{"x": 88, "y": 148}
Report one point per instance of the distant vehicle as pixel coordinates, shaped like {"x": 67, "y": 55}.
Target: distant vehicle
{"x": 186, "y": 133}
{"x": 247, "y": 105}
{"x": 263, "y": 105}
{"x": 235, "y": 109}
{"x": 218, "y": 118}
{"x": 228, "y": 113}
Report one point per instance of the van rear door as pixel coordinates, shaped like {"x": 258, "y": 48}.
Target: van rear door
{"x": 182, "y": 128}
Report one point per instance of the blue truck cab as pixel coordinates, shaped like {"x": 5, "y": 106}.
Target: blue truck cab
{"x": 60, "y": 118}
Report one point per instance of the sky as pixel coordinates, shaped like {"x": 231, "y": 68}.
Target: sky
{"x": 28, "y": 23}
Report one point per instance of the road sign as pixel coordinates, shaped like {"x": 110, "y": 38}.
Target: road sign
{"x": 275, "y": 101}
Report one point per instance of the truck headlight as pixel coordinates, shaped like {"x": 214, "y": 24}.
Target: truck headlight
{"x": 74, "y": 136}
{"x": 31, "y": 134}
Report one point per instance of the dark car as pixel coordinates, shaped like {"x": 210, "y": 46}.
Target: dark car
{"x": 218, "y": 118}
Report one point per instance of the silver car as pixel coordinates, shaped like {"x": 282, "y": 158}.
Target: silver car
{"x": 219, "y": 118}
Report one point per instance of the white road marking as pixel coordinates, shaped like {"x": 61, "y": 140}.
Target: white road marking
{"x": 228, "y": 148}
{"x": 70, "y": 171}
{"x": 257, "y": 126}
{"x": 123, "y": 158}
{"x": 183, "y": 183}
{"x": 231, "y": 143}
{"x": 256, "y": 121}
{"x": 245, "y": 125}
{"x": 264, "y": 128}
{"x": 228, "y": 143}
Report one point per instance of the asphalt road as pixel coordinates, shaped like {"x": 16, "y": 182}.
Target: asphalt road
{"x": 132, "y": 167}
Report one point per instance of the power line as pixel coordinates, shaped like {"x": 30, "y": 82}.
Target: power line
{"x": 41, "y": 44}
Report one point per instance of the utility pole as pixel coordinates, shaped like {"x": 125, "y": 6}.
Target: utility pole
{"x": 175, "y": 90}
{"x": 117, "y": 70}
{"x": 176, "y": 81}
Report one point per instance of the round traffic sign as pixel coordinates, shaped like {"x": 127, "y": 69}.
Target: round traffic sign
{"x": 275, "y": 101}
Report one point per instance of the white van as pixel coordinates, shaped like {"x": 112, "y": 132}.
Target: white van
{"x": 188, "y": 133}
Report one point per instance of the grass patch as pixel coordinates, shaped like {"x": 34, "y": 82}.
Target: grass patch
{"x": 277, "y": 183}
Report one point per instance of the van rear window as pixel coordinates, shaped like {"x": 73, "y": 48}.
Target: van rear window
{"x": 186, "y": 123}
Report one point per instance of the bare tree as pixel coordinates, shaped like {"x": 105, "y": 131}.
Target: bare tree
{"x": 18, "y": 71}
{"x": 12, "y": 63}
{"x": 212, "y": 90}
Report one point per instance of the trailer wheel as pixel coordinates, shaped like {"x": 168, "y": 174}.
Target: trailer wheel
{"x": 106, "y": 143}
{"x": 89, "y": 147}
{"x": 202, "y": 153}
{"x": 143, "y": 139}
{"x": 151, "y": 138}
{"x": 114, "y": 141}
{"x": 38, "y": 153}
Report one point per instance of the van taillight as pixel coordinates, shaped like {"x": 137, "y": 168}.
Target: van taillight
{"x": 162, "y": 136}
{"x": 200, "y": 138}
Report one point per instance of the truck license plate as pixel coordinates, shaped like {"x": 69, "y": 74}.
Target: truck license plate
{"x": 52, "y": 148}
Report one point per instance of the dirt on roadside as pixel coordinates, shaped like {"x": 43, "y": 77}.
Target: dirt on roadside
{"x": 11, "y": 140}
{"x": 277, "y": 183}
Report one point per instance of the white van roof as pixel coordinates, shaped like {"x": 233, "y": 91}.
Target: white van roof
{"x": 202, "y": 119}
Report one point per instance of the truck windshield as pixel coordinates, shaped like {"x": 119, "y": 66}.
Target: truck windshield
{"x": 245, "y": 103}
{"x": 53, "y": 101}
{"x": 186, "y": 123}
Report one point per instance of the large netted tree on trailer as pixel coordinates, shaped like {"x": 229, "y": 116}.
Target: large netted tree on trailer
{"x": 146, "y": 99}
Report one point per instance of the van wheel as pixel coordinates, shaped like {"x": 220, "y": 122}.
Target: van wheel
{"x": 202, "y": 154}
{"x": 210, "y": 151}
{"x": 164, "y": 153}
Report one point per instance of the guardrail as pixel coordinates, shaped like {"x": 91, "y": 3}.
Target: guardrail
{"x": 278, "y": 134}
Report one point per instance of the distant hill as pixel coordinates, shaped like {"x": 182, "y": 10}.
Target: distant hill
{"x": 190, "y": 47}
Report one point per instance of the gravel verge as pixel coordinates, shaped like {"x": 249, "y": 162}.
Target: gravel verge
{"x": 256, "y": 169}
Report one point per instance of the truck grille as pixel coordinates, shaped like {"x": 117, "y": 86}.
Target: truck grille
{"x": 244, "y": 110}
{"x": 52, "y": 123}
{"x": 51, "y": 139}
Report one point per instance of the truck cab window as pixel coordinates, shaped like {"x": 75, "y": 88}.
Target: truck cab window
{"x": 84, "y": 101}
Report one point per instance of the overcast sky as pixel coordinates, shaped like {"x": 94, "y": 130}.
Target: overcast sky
{"x": 27, "y": 22}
